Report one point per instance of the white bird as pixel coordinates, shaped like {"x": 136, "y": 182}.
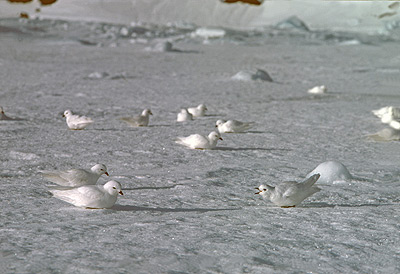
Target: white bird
{"x": 232, "y": 126}
{"x": 387, "y": 114}
{"x": 76, "y": 177}
{"x": 139, "y": 121}
{"x": 198, "y": 111}
{"x": 76, "y": 122}
{"x": 197, "y": 141}
{"x": 184, "y": 115}
{"x": 318, "y": 90}
{"x": 289, "y": 194}
{"x": 91, "y": 196}
{"x": 387, "y": 110}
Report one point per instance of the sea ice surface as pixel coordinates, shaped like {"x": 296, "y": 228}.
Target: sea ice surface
{"x": 191, "y": 211}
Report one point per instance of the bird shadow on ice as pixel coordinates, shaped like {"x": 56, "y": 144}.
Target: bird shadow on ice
{"x": 165, "y": 209}
{"x": 152, "y": 187}
{"x": 249, "y": 149}
{"x": 173, "y": 50}
{"x": 326, "y": 205}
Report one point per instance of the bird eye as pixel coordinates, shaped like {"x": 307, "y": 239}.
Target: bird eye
{"x": 114, "y": 187}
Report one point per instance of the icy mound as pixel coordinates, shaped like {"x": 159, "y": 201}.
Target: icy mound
{"x": 331, "y": 171}
{"x": 252, "y": 76}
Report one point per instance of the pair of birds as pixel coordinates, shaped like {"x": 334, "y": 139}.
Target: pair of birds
{"x": 389, "y": 115}
{"x": 187, "y": 114}
{"x": 78, "y": 187}
{"x": 76, "y": 122}
{"x": 198, "y": 141}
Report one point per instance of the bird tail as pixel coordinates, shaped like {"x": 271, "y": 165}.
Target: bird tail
{"x": 310, "y": 181}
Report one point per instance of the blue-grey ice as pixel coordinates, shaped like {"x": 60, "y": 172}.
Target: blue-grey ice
{"x": 76, "y": 122}
{"x": 76, "y": 177}
{"x": 90, "y": 196}
{"x": 289, "y": 193}
{"x": 331, "y": 171}
{"x": 139, "y": 121}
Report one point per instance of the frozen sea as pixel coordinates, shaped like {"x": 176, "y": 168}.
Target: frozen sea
{"x": 189, "y": 211}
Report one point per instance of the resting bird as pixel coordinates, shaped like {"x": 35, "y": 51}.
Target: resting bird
{"x": 289, "y": 194}
{"x": 76, "y": 177}
{"x": 232, "y": 126}
{"x": 76, "y": 122}
{"x": 198, "y": 111}
{"x": 91, "y": 196}
{"x": 197, "y": 141}
{"x": 184, "y": 115}
{"x": 139, "y": 121}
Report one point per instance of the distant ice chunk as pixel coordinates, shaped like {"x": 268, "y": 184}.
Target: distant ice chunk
{"x": 351, "y": 42}
{"x": 292, "y": 22}
{"x": 164, "y": 46}
{"x": 242, "y": 76}
{"x": 318, "y": 90}
{"x": 331, "y": 171}
{"x": 208, "y": 33}
{"x": 252, "y": 76}
{"x": 97, "y": 75}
